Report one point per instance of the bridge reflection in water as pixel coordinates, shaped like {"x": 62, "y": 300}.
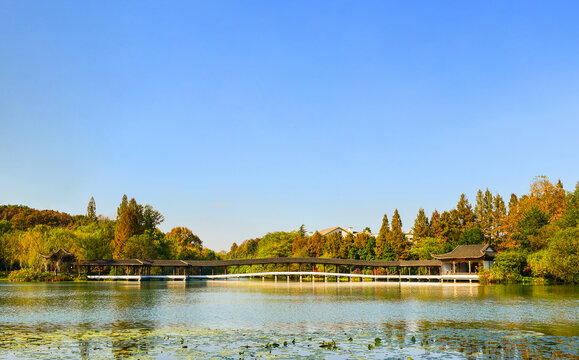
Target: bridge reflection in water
{"x": 302, "y": 269}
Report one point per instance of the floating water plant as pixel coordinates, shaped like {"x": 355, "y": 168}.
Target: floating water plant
{"x": 331, "y": 345}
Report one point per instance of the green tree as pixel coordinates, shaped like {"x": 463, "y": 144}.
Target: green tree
{"x": 148, "y": 245}
{"x": 149, "y": 218}
{"x": 509, "y": 265}
{"x": 560, "y": 260}
{"x": 464, "y": 213}
{"x": 397, "y": 238}
{"x": 472, "y": 236}
{"x": 424, "y": 247}
{"x": 91, "y": 210}
{"x": 530, "y": 225}
{"x": 277, "y": 244}
{"x": 571, "y": 216}
{"x": 451, "y": 227}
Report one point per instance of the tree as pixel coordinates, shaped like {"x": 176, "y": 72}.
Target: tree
{"x": 277, "y": 244}
{"x": 302, "y": 231}
{"x": 560, "y": 260}
{"x": 347, "y": 244}
{"x": 424, "y": 247}
{"x": 465, "y": 215}
{"x": 571, "y": 216}
{"x": 332, "y": 245}
{"x": 148, "y": 245}
{"x": 316, "y": 244}
{"x": 472, "y": 236}
{"x": 450, "y": 225}
{"x": 185, "y": 244}
{"x": 421, "y": 227}
{"x": 484, "y": 212}
{"x": 397, "y": 238}
{"x": 435, "y": 226}
{"x": 91, "y": 210}
{"x": 499, "y": 214}
{"x": 382, "y": 238}
{"x": 300, "y": 245}
{"x": 513, "y": 203}
{"x": 128, "y": 224}
{"x": 149, "y": 218}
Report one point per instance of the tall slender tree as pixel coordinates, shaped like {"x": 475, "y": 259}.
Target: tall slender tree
{"x": 316, "y": 244}
{"x": 91, "y": 209}
{"x": 465, "y": 215}
{"x": 421, "y": 227}
{"x": 513, "y": 203}
{"x": 382, "y": 238}
{"x": 397, "y": 238}
{"x": 435, "y": 225}
{"x": 499, "y": 214}
{"x": 128, "y": 224}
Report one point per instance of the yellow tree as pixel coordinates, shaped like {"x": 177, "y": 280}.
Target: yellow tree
{"x": 382, "y": 238}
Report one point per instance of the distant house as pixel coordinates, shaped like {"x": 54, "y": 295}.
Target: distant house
{"x": 338, "y": 229}
{"x": 467, "y": 259}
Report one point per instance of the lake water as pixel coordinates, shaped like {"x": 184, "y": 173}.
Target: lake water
{"x": 251, "y": 319}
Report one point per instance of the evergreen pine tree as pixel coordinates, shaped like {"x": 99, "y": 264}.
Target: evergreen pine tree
{"x": 397, "y": 238}
{"x": 499, "y": 214}
{"x": 513, "y": 203}
{"x": 128, "y": 224}
{"x": 435, "y": 226}
{"x": 382, "y": 238}
{"x": 421, "y": 227}
{"x": 91, "y": 210}
{"x": 466, "y": 216}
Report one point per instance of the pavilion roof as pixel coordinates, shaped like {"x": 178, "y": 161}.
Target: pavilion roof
{"x": 467, "y": 252}
{"x": 58, "y": 254}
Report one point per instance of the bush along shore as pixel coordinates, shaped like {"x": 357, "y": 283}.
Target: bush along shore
{"x": 31, "y": 275}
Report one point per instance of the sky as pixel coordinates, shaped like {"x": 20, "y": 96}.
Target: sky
{"x": 239, "y": 118}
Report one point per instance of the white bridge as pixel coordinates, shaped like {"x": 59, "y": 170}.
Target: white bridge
{"x": 312, "y": 275}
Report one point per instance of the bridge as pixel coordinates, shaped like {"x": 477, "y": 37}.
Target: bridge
{"x": 302, "y": 269}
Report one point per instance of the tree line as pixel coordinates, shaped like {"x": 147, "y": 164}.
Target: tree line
{"x": 536, "y": 235}
{"x": 26, "y": 233}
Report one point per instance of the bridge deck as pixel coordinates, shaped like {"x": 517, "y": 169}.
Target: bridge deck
{"x": 449, "y": 277}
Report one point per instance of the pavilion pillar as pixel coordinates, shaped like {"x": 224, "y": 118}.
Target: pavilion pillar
{"x": 325, "y": 276}
{"x": 469, "y": 268}
{"x": 454, "y": 267}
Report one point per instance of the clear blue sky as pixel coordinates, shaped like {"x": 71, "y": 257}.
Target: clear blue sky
{"x": 237, "y": 118}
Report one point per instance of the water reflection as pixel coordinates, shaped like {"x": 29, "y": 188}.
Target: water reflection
{"x": 208, "y": 319}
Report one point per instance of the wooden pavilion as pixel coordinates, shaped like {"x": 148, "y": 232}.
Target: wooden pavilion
{"x": 466, "y": 259}
{"x": 58, "y": 260}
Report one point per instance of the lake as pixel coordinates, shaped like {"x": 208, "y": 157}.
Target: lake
{"x": 255, "y": 319}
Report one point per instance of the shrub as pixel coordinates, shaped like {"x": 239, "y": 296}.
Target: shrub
{"x": 27, "y": 275}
